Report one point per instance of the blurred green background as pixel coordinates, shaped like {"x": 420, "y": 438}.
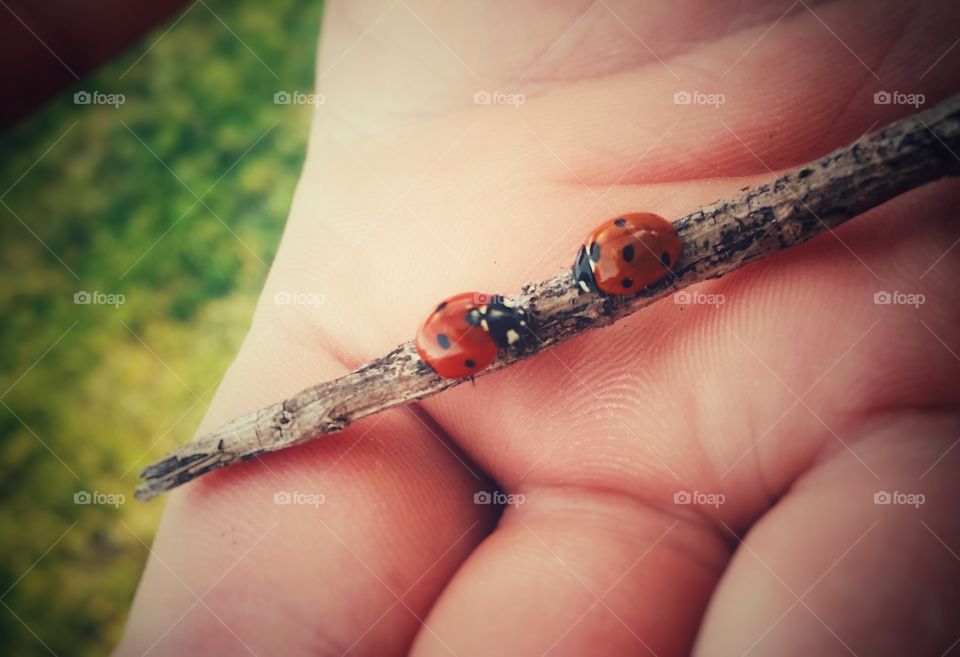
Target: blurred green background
{"x": 91, "y": 392}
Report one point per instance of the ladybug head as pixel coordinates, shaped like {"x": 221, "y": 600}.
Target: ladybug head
{"x": 583, "y": 268}
{"x": 506, "y": 324}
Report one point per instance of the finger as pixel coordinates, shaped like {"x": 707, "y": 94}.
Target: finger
{"x": 423, "y": 58}
{"x": 756, "y": 91}
{"x": 620, "y": 428}
{"x": 830, "y": 571}
{"x": 569, "y": 570}
{"x": 336, "y": 546}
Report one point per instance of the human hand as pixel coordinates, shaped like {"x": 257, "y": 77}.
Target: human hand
{"x": 786, "y": 408}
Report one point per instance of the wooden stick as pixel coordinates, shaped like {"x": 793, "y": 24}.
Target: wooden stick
{"x": 719, "y": 238}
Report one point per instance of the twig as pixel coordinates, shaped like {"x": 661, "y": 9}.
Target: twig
{"x": 755, "y": 223}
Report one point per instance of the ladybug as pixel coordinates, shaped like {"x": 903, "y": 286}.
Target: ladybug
{"x": 464, "y": 333}
{"x": 627, "y": 254}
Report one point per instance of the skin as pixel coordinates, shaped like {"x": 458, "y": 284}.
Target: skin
{"x": 428, "y": 194}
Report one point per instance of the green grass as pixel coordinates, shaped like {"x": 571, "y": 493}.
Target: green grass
{"x": 96, "y": 391}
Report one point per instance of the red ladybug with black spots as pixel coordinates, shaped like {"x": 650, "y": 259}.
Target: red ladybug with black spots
{"x": 626, "y": 254}
{"x": 464, "y": 333}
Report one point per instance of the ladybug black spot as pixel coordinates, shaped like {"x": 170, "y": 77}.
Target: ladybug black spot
{"x": 626, "y": 283}
{"x": 628, "y": 253}
{"x": 665, "y": 259}
{"x": 470, "y": 363}
{"x": 595, "y": 252}
{"x": 443, "y": 340}
{"x": 620, "y": 222}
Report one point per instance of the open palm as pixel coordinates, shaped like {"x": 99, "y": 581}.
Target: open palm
{"x": 705, "y": 476}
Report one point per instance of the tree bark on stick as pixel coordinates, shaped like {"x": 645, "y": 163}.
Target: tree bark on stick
{"x": 755, "y": 223}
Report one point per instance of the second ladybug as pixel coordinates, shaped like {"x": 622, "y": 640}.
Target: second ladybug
{"x": 464, "y": 333}
{"x": 626, "y": 254}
